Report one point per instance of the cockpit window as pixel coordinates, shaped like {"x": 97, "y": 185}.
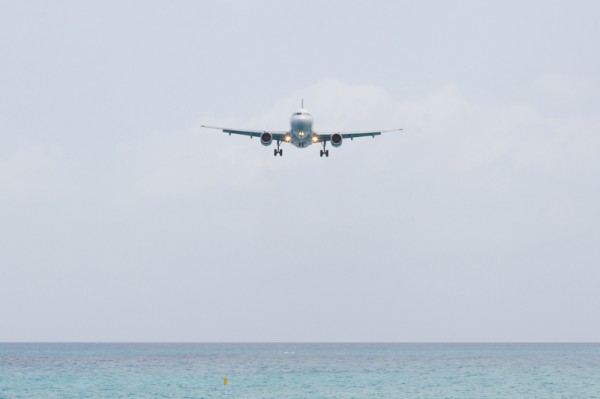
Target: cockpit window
{"x": 298, "y": 113}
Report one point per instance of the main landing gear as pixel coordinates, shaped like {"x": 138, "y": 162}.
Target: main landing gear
{"x": 277, "y": 150}
{"x": 324, "y": 151}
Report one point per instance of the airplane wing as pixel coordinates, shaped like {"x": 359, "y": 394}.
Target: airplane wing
{"x": 277, "y": 134}
{"x": 326, "y": 136}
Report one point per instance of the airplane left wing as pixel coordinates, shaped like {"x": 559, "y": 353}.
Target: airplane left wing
{"x": 326, "y": 136}
{"x": 277, "y": 135}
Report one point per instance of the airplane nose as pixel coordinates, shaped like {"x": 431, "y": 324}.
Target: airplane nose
{"x": 302, "y": 125}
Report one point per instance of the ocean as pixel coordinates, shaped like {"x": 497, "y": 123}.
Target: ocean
{"x": 298, "y": 370}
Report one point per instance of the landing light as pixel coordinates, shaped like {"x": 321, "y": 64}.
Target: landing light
{"x": 288, "y": 138}
{"x": 315, "y": 139}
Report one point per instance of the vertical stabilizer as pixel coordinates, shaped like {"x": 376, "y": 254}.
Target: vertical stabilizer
{"x": 302, "y": 104}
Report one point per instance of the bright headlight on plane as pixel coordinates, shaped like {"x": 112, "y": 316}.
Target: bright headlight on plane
{"x": 288, "y": 138}
{"x": 315, "y": 139}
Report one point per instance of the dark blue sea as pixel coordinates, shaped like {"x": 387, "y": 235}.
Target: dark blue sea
{"x": 129, "y": 370}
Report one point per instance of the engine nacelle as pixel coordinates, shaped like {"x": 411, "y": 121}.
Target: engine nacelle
{"x": 336, "y": 139}
{"x": 266, "y": 138}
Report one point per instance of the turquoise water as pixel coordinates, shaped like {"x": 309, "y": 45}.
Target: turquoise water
{"x": 300, "y": 370}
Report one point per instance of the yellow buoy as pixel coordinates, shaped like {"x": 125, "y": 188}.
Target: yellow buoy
{"x": 225, "y": 381}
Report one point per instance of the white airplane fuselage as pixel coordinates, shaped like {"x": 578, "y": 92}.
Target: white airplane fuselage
{"x": 301, "y": 133}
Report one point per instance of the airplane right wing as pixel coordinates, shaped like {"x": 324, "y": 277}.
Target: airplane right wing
{"x": 277, "y": 135}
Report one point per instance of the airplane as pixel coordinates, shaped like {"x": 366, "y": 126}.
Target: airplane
{"x": 301, "y": 134}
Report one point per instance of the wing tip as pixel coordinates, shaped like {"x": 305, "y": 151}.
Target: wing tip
{"x": 212, "y": 127}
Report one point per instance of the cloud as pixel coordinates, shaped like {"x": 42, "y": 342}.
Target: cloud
{"x": 566, "y": 87}
{"x": 478, "y": 136}
{"x": 474, "y": 212}
{"x": 31, "y": 170}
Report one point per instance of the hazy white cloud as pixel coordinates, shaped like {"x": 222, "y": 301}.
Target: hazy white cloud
{"x": 567, "y": 87}
{"x": 122, "y": 219}
{"x": 32, "y": 170}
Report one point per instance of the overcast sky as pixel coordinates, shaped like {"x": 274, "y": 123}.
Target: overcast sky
{"x": 122, "y": 220}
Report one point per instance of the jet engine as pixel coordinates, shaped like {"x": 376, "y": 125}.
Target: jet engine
{"x": 266, "y": 138}
{"x": 336, "y": 139}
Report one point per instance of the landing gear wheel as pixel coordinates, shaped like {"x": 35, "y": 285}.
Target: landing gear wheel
{"x": 324, "y": 151}
{"x": 277, "y": 150}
